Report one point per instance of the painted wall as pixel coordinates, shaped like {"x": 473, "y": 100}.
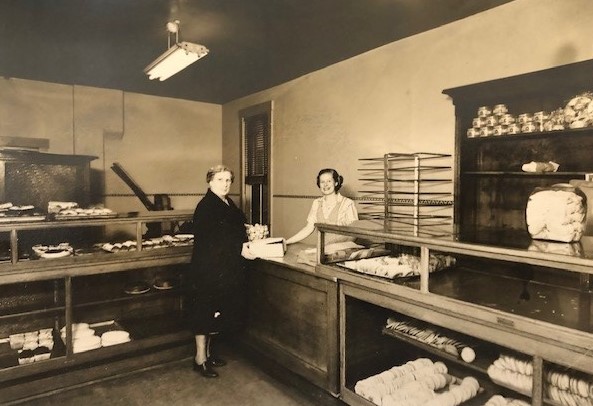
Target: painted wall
{"x": 166, "y": 145}
{"x": 390, "y": 100}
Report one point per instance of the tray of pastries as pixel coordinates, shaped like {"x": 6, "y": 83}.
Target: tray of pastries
{"x": 60, "y": 250}
{"x": 72, "y": 211}
{"x": 10, "y": 213}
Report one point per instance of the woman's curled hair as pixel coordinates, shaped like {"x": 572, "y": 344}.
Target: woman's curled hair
{"x": 217, "y": 169}
{"x": 339, "y": 179}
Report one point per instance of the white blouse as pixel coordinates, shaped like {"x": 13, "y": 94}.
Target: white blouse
{"x": 347, "y": 212}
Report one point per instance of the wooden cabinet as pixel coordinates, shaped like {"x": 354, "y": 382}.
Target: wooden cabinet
{"x": 491, "y": 190}
{"x": 293, "y": 319}
{"x": 500, "y": 301}
{"x": 56, "y": 294}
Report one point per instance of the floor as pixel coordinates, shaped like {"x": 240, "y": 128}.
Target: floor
{"x": 241, "y": 383}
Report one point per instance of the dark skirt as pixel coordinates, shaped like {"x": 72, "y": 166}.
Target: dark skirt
{"x": 218, "y": 308}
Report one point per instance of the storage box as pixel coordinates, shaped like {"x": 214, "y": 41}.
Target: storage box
{"x": 268, "y": 247}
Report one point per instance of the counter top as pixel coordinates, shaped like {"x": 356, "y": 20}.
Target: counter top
{"x": 290, "y": 258}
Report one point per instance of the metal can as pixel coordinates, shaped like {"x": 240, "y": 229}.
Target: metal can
{"x": 486, "y": 131}
{"x": 506, "y": 119}
{"x": 525, "y": 118}
{"x": 529, "y": 128}
{"x": 473, "y": 132}
{"x": 500, "y": 130}
{"x": 491, "y": 121}
{"x": 484, "y": 111}
{"x": 540, "y": 116}
{"x": 478, "y": 122}
{"x": 500, "y": 109}
{"x": 514, "y": 129}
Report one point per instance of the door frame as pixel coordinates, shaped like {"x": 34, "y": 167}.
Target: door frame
{"x": 265, "y": 107}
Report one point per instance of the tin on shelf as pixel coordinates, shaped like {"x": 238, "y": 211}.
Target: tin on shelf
{"x": 486, "y": 131}
{"x": 500, "y": 130}
{"x": 524, "y": 118}
{"x": 484, "y": 111}
{"x": 514, "y": 129}
{"x": 506, "y": 119}
{"x": 529, "y": 127}
{"x": 541, "y": 116}
{"x": 478, "y": 122}
{"x": 500, "y": 109}
{"x": 473, "y": 132}
{"x": 491, "y": 121}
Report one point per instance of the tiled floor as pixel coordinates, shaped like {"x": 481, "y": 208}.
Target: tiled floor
{"x": 241, "y": 383}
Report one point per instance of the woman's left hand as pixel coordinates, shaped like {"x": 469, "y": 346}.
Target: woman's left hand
{"x": 246, "y": 251}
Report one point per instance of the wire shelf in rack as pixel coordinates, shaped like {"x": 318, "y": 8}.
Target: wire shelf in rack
{"x": 421, "y": 182}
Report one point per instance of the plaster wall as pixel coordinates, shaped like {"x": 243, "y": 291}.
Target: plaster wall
{"x": 389, "y": 99}
{"x": 165, "y": 144}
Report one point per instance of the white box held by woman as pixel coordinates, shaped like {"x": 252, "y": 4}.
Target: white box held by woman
{"x": 268, "y": 247}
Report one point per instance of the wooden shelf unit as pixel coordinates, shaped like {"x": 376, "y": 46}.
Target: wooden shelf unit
{"x": 490, "y": 189}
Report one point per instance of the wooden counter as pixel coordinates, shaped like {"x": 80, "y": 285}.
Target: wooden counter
{"x": 293, "y": 318}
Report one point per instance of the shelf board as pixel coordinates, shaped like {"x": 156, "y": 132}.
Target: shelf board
{"x": 396, "y": 192}
{"x": 526, "y": 174}
{"x": 28, "y": 313}
{"x": 395, "y": 156}
{"x": 408, "y": 168}
{"x": 44, "y": 269}
{"x": 480, "y": 366}
{"x": 120, "y": 218}
{"x": 154, "y": 293}
{"x": 405, "y": 180}
{"x": 533, "y": 135}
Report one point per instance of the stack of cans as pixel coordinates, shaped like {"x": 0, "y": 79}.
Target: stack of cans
{"x": 492, "y": 121}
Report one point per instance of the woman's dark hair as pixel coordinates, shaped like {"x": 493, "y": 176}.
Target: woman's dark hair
{"x": 339, "y": 179}
{"x": 217, "y": 169}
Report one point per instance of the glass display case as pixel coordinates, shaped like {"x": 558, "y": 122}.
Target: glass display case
{"x": 74, "y": 303}
{"x": 523, "y": 308}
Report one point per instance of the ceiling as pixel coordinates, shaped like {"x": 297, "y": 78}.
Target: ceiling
{"x": 254, "y": 44}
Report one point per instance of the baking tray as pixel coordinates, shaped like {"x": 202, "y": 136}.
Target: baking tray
{"x": 21, "y": 219}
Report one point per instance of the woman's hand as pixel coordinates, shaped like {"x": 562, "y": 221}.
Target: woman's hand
{"x": 246, "y": 252}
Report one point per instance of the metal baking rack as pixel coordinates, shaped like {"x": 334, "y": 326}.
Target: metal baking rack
{"x": 410, "y": 192}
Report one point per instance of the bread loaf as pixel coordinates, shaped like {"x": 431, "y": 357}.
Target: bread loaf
{"x": 556, "y": 213}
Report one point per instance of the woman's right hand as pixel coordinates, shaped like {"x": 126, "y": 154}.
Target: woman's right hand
{"x": 246, "y": 252}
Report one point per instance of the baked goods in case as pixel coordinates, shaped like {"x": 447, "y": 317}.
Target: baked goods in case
{"x": 53, "y": 251}
{"x": 556, "y": 213}
{"x": 569, "y": 389}
{"x": 404, "y": 265}
{"x": 499, "y": 400}
{"x": 512, "y": 372}
{"x": 429, "y": 336}
{"x": 540, "y": 166}
{"x": 114, "y": 337}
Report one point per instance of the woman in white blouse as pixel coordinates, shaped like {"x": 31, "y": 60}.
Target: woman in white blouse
{"x": 331, "y": 208}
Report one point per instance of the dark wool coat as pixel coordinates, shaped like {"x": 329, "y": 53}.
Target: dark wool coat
{"x": 217, "y": 270}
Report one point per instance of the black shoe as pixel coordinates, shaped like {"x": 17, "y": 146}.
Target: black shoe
{"x": 214, "y": 361}
{"x": 205, "y": 369}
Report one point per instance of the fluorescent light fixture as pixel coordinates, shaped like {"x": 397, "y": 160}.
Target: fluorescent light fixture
{"x": 178, "y": 57}
{"x": 175, "y": 59}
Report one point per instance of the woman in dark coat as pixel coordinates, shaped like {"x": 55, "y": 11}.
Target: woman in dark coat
{"x": 218, "y": 268}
